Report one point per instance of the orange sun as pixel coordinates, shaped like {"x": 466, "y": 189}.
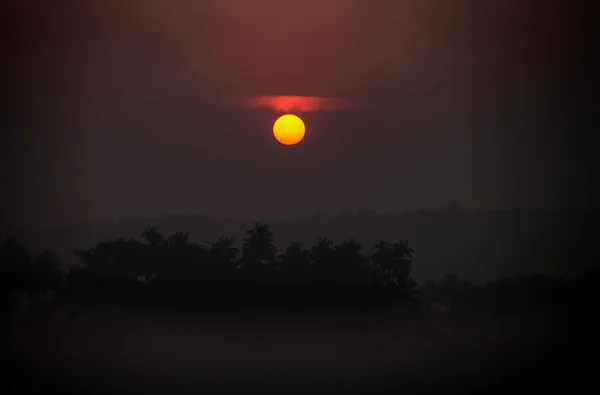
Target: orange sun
{"x": 289, "y": 129}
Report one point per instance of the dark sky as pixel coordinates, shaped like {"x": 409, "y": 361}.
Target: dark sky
{"x": 120, "y": 108}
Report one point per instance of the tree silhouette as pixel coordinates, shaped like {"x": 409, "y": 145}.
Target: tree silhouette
{"x": 349, "y": 263}
{"x": 16, "y": 267}
{"x": 258, "y": 250}
{"x": 222, "y": 252}
{"x": 153, "y": 237}
{"x": 112, "y": 269}
{"x": 295, "y": 261}
{"x": 321, "y": 260}
{"x": 113, "y": 258}
{"x": 183, "y": 263}
{"x": 392, "y": 264}
{"x": 178, "y": 240}
{"x": 454, "y": 292}
{"x": 152, "y": 255}
{"x": 175, "y": 267}
{"x": 49, "y": 276}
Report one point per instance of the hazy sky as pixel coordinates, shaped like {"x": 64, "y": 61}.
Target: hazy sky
{"x": 123, "y": 108}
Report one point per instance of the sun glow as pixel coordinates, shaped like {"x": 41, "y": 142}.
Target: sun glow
{"x": 289, "y": 129}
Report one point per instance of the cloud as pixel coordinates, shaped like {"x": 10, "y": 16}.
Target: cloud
{"x": 301, "y": 103}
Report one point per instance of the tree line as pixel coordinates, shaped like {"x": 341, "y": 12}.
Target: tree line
{"x": 175, "y": 271}
{"x": 182, "y": 270}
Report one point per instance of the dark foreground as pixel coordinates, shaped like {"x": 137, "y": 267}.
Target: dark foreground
{"x": 111, "y": 352}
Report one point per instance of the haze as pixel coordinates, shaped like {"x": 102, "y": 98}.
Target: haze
{"x": 481, "y": 104}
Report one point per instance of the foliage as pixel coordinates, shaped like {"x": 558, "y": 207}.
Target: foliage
{"x": 174, "y": 266}
{"x": 164, "y": 269}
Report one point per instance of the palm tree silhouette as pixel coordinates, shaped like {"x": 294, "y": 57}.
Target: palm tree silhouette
{"x": 390, "y": 268}
{"x": 258, "y": 249}
{"x": 295, "y": 261}
{"x": 348, "y": 261}
{"x": 221, "y": 259}
{"x": 176, "y": 266}
{"x": 320, "y": 259}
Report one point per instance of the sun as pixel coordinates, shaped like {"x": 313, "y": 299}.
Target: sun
{"x": 289, "y": 129}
